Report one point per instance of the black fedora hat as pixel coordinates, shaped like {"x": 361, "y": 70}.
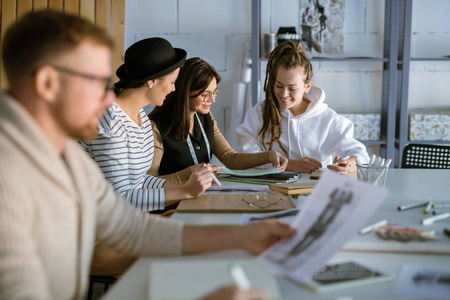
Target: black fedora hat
{"x": 149, "y": 59}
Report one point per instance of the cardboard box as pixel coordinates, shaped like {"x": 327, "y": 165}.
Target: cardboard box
{"x": 429, "y": 126}
{"x": 367, "y": 125}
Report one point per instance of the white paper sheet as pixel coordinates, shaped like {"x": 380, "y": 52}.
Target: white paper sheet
{"x": 337, "y": 208}
{"x": 423, "y": 283}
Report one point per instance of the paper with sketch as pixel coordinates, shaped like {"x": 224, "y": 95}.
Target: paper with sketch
{"x": 337, "y": 208}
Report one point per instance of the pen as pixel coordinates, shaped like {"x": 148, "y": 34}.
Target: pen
{"x": 215, "y": 178}
{"x": 372, "y": 227}
{"x": 429, "y": 205}
{"x": 441, "y": 205}
{"x": 239, "y": 277}
{"x": 431, "y": 220}
{"x": 408, "y": 206}
{"x": 337, "y": 163}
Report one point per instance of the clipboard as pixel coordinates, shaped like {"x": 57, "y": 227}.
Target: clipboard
{"x": 235, "y": 203}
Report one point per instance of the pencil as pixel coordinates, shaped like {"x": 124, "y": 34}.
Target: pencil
{"x": 414, "y": 205}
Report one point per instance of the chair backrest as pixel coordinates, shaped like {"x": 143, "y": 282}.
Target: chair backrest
{"x": 420, "y": 156}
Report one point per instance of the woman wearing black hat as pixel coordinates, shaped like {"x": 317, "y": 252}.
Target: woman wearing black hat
{"x": 124, "y": 146}
{"x": 186, "y": 133}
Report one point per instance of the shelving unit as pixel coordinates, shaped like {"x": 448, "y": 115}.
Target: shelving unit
{"x": 396, "y": 66}
{"x": 389, "y": 61}
{"x": 405, "y": 33}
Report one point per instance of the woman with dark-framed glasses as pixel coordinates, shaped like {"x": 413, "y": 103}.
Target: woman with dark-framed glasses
{"x": 123, "y": 148}
{"x": 185, "y": 131}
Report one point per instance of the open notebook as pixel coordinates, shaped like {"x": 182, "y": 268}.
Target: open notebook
{"x": 175, "y": 279}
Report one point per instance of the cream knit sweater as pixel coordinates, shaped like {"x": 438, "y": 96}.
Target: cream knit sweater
{"x": 53, "y": 207}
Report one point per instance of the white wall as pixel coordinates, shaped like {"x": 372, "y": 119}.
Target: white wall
{"x": 217, "y": 31}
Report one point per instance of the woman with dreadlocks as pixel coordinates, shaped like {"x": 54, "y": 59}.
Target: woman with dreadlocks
{"x": 294, "y": 119}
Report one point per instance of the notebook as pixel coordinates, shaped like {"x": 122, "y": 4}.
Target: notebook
{"x": 175, "y": 279}
{"x": 294, "y": 188}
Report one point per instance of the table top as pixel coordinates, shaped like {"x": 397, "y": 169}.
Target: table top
{"x": 405, "y": 186}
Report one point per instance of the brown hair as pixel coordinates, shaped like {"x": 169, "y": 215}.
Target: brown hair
{"x": 39, "y": 36}
{"x": 289, "y": 56}
{"x": 195, "y": 75}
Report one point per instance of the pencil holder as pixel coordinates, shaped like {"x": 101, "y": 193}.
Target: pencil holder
{"x": 373, "y": 175}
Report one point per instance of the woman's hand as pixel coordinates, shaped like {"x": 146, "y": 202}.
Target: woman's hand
{"x": 278, "y": 160}
{"x": 305, "y": 165}
{"x": 343, "y": 166}
{"x": 199, "y": 181}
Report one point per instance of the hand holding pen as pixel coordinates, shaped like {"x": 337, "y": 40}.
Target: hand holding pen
{"x": 342, "y": 165}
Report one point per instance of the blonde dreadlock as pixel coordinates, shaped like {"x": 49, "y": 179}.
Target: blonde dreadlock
{"x": 288, "y": 55}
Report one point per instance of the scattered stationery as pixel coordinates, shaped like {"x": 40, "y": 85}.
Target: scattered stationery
{"x": 431, "y": 220}
{"x": 237, "y": 189}
{"x": 294, "y": 188}
{"x": 416, "y": 282}
{"x": 191, "y": 279}
{"x": 441, "y": 205}
{"x": 249, "y": 172}
{"x": 336, "y": 209}
{"x": 258, "y": 176}
{"x": 235, "y": 203}
{"x": 315, "y": 175}
{"x": 344, "y": 275}
{"x": 413, "y": 205}
{"x": 253, "y": 180}
{"x": 286, "y": 216}
{"x": 375, "y": 171}
{"x": 404, "y": 233}
{"x": 239, "y": 277}
{"x": 372, "y": 227}
{"x": 428, "y": 207}
{"x": 447, "y": 231}
{"x": 337, "y": 163}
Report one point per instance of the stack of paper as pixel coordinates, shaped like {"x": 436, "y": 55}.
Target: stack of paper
{"x": 257, "y": 176}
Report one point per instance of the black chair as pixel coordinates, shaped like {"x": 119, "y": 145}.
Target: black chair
{"x": 105, "y": 280}
{"x": 421, "y": 156}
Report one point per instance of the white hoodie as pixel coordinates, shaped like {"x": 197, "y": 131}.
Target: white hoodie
{"x": 319, "y": 132}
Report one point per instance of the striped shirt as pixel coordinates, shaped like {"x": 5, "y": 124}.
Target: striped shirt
{"x": 124, "y": 153}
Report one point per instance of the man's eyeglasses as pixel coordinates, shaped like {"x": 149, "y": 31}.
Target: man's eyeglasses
{"x": 105, "y": 80}
{"x": 208, "y": 95}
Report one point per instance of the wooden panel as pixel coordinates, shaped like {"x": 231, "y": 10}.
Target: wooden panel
{"x": 9, "y": 10}
{"x": 118, "y": 34}
{"x": 103, "y": 15}
{"x": 56, "y": 4}
{"x": 87, "y": 10}
{"x": 72, "y": 7}
{"x": 40, "y": 4}
{"x": 23, "y": 7}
